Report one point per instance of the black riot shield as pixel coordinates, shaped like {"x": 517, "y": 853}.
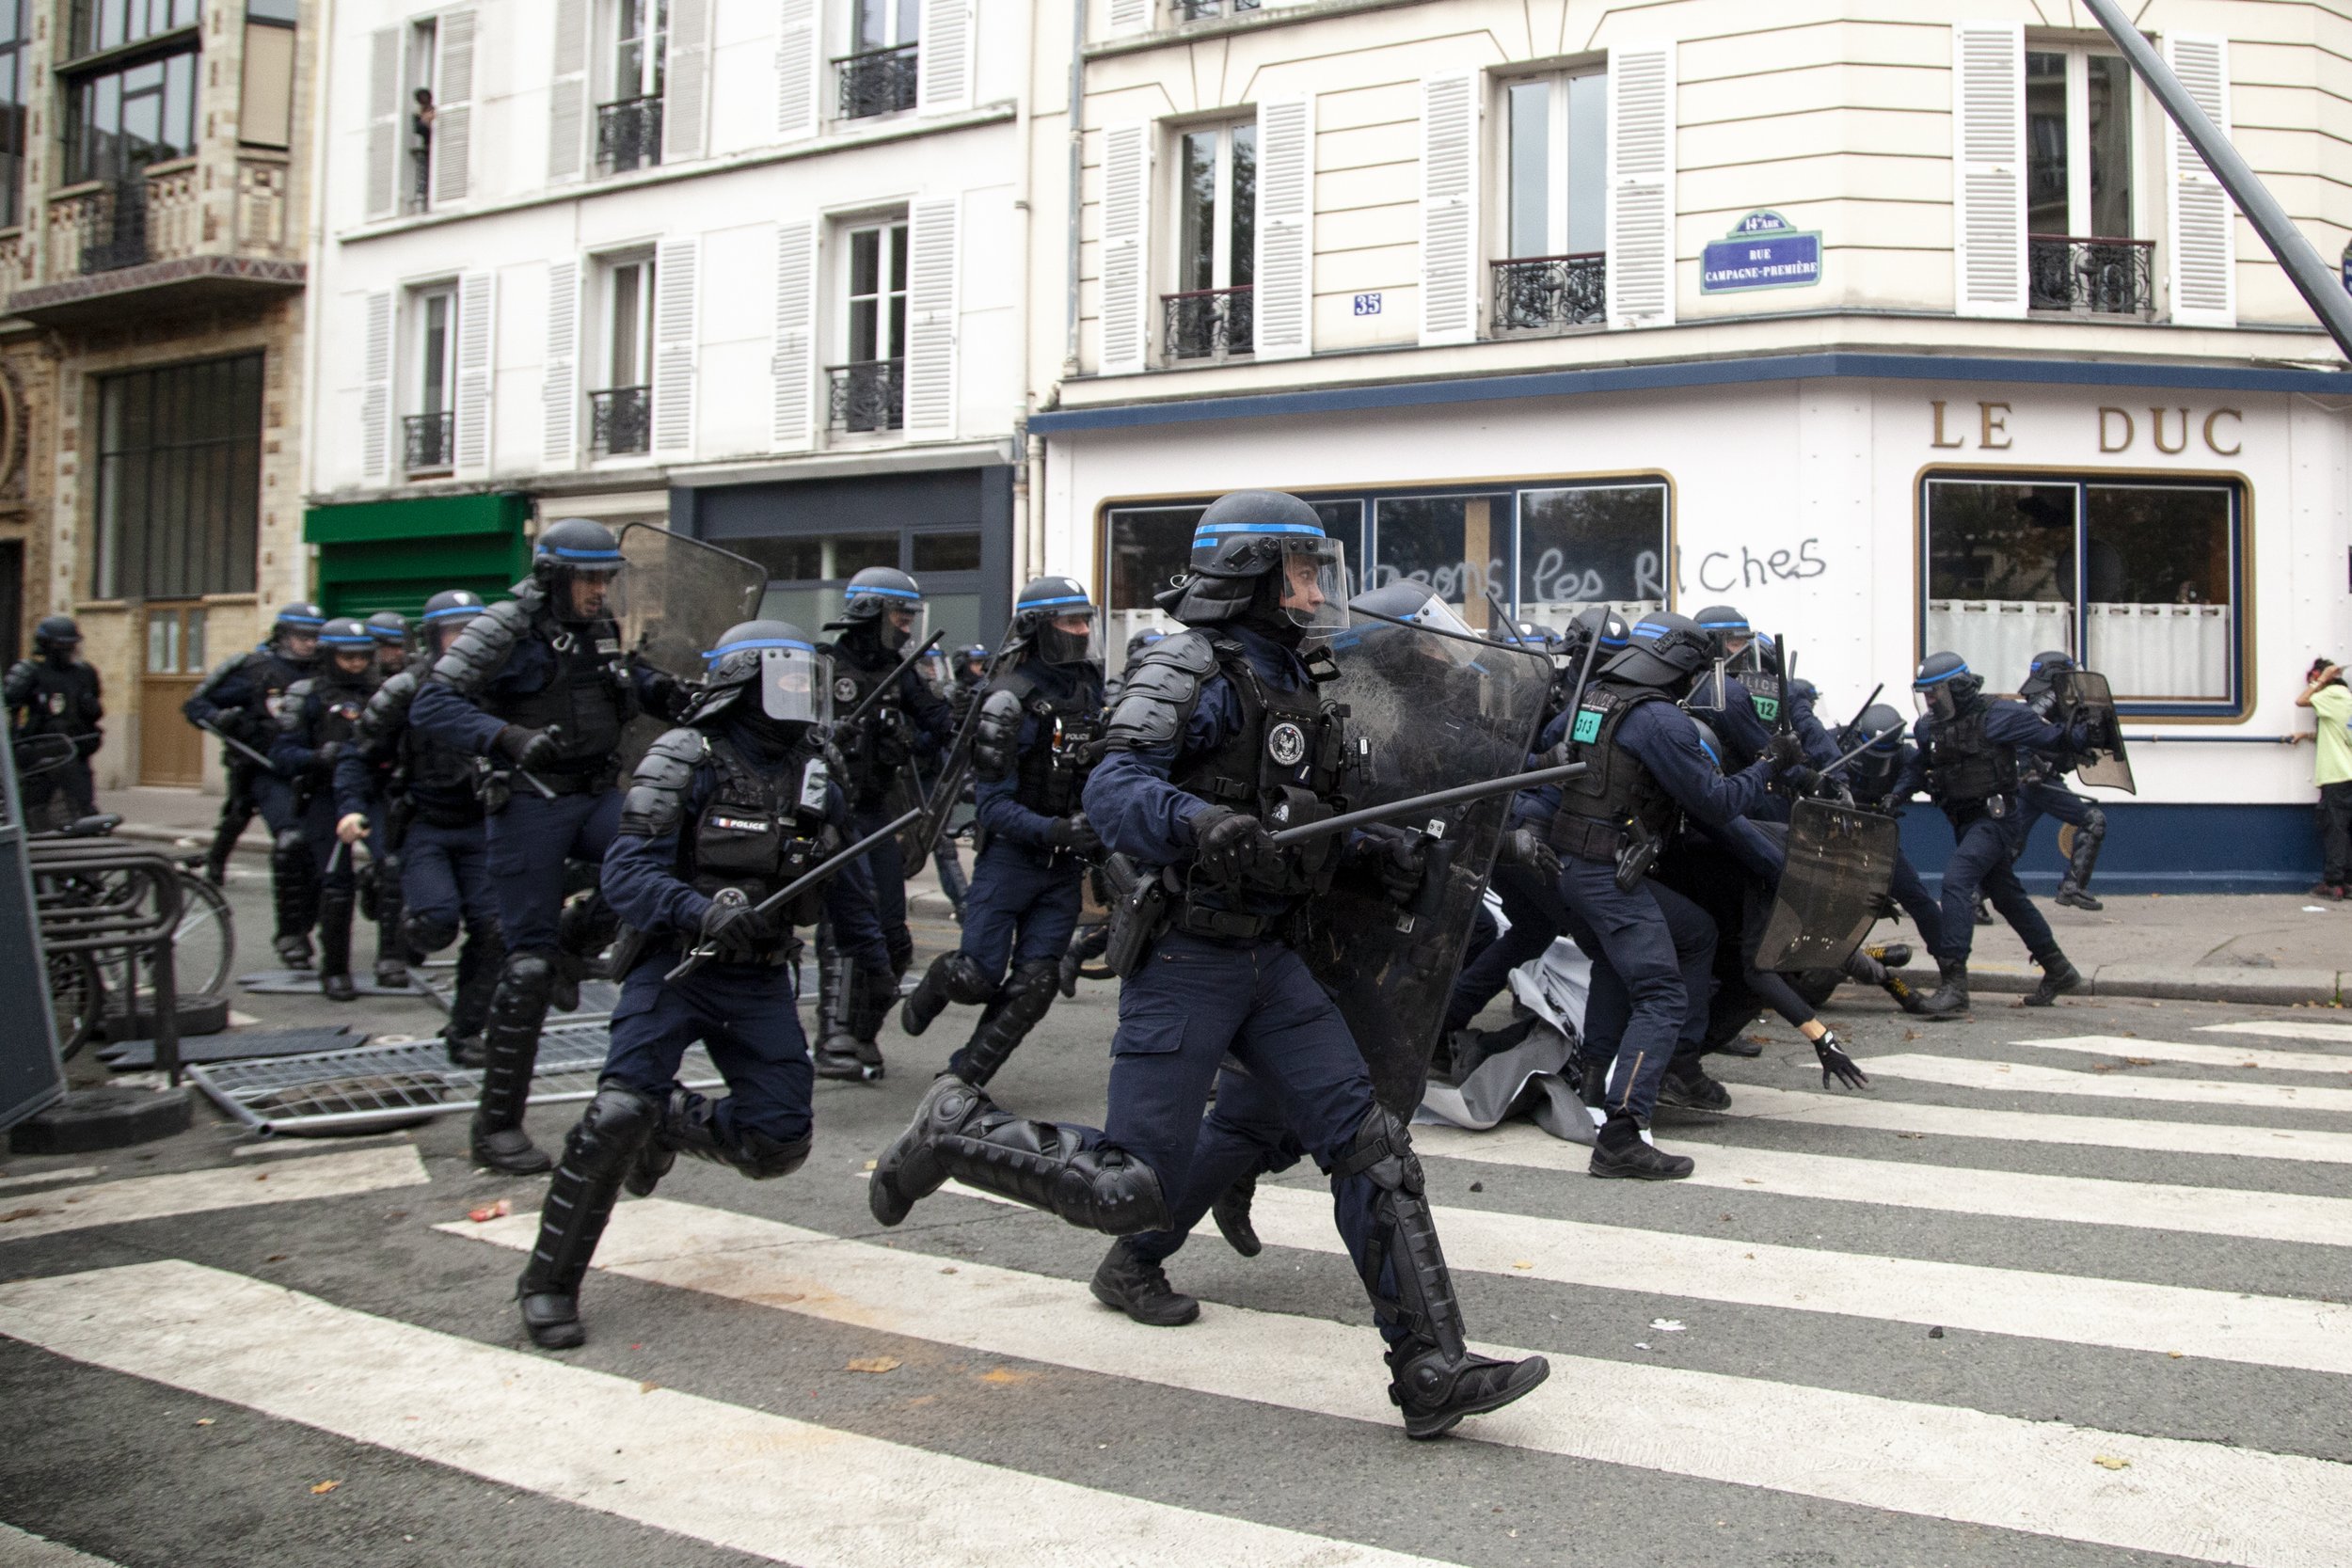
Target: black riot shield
{"x": 1430, "y": 711}
{"x": 1841, "y": 859}
{"x": 671, "y": 601}
{"x": 2084, "y": 694}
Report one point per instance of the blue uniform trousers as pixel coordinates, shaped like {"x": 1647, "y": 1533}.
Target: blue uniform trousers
{"x": 1982, "y": 848}
{"x": 1532, "y": 908}
{"x": 744, "y": 1014}
{"x": 317, "y": 822}
{"x": 1021, "y": 907}
{"x": 274, "y": 798}
{"x": 1660, "y": 947}
{"x": 2046, "y": 798}
{"x": 528, "y": 843}
{"x": 445, "y": 877}
{"x": 887, "y": 866}
{"x": 70, "y": 782}
{"x": 1910, "y": 895}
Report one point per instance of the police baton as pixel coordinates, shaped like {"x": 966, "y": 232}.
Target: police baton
{"x": 1509, "y": 784}
{"x": 905, "y": 665}
{"x": 533, "y": 779}
{"x": 1891, "y": 729}
{"x": 700, "y": 955}
{"x": 235, "y": 745}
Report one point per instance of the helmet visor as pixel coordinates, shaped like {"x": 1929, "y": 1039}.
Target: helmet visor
{"x": 1937, "y": 701}
{"x": 902, "y": 623}
{"x": 795, "y": 684}
{"x": 1072, "y": 635}
{"x": 1310, "y": 584}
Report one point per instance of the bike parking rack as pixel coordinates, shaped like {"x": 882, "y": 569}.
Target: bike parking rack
{"x": 139, "y": 917}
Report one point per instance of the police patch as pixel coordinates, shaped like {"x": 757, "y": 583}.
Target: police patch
{"x": 1286, "y": 743}
{"x": 56, "y": 702}
{"x": 845, "y": 690}
{"x": 1767, "y": 709}
{"x": 739, "y": 824}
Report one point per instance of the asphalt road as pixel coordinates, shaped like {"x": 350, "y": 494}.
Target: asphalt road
{"x": 2046, "y": 1304}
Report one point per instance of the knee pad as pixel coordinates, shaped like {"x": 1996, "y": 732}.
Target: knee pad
{"x": 291, "y": 845}
{"x": 963, "y": 981}
{"x": 528, "y": 979}
{"x": 762, "y": 1157}
{"x": 2095, "y": 823}
{"x": 1107, "y": 1190}
{"x": 609, "y": 1131}
{"x": 428, "y": 933}
{"x": 1382, "y": 1149}
{"x": 1030, "y": 990}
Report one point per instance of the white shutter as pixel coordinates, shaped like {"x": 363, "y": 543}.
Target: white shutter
{"x": 375, "y": 390}
{"x": 1449, "y": 209}
{"x": 1640, "y": 186}
{"x": 795, "y": 363}
{"x": 675, "y": 264}
{"x": 477, "y": 332}
{"x": 2204, "y": 225}
{"x": 1126, "y": 262}
{"x": 452, "y": 108}
{"x": 567, "y": 93}
{"x": 943, "y": 65}
{"x": 1283, "y": 300}
{"x": 798, "y": 69}
{"x": 1130, "y": 16}
{"x": 1989, "y": 168}
{"x": 383, "y": 122}
{"x": 559, "y": 392}
{"x": 686, "y": 82}
{"x": 930, "y": 347}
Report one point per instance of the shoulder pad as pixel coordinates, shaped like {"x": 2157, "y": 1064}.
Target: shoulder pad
{"x": 1161, "y": 688}
{"x": 387, "y": 710}
{"x": 656, "y": 803}
{"x": 482, "y": 646}
{"x": 997, "y": 732}
{"x": 295, "y": 708}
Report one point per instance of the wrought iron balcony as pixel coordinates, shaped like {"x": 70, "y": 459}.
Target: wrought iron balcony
{"x": 428, "y": 442}
{"x": 879, "y": 82}
{"x": 1201, "y": 10}
{"x": 868, "y": 396}
{"x": 620, "y": 420}
{"x": 114, "y": 226}
{"x": 628, "y": 134}
{"x": 1537, "y": 292}
{"x": 2091, "y": 276}
{"x": 1208, "y": 323}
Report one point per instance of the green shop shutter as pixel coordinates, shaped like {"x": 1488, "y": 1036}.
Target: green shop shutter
{"x": 394, "y": 555}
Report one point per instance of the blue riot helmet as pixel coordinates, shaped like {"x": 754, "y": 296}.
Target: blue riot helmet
{"x": 1615, "y": 637}
{"x": 768, "y": 674}
{"x": 390, "y": 632}
{"x": 2043, "y": 669}
{"x": 887, "y": 600}
{"x": 576, "y": 560}
{"x": 1373, "y": 615}
{"x": 1260, "y": 557}
{"x": 1143, "y": 639}
{"x": 1945, "y": 685}
{"x": 1664, "y": 650}
{"x": 1726, "y": 629}
{"x": 56, "y": 637}
{"x": 1056, "y": 618}
{"x": 346, "y": 640}
{"x": 1885, "y": 723}
{"x": 294, "y": 633}
{"x": 446, "y": 614}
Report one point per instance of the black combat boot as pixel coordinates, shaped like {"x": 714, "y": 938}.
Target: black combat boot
{"x": 1871, "y": 970}
{"x": 1686, "y": 1087}
{"x": 1620, "y": 1153}
{"x": 2059, "y": 976}
{"x": 2073, "y": 889}
{"x": 294, "y": 890}
{"x": 511, "y": 1048}
{"x": 957, "y": 1133}
{"x": 578, "y": 1203}
{"x": 1232, "y": 1213}
{"x": 335, "y": 945}
{"x": 1024, "y": 999}
{"x": 835, "y": 1050}
{"x": 1951, "y": 993}
{"x": 1140, "y": 1289}
{"x": 930, "y": 997}
{"x": 1592, "y": 1083}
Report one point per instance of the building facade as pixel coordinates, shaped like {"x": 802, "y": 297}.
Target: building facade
{"x": 1900, "y": 326}
{"x": 749, "y": 271}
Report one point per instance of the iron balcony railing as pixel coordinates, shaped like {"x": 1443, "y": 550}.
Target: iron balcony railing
{"x": 1534, "y": 293}
{"x": 1201, "y": 10}
{"x": 628, "y": 134}
{"x": 1208, "y": 323}
{"x": 620, "y": 420}
{"x": 114, "y": 228}
{"x": 868, "y": 395}
{"x": 878, "y": 82}
{"x": 428, "y": 442}
{"x": 2093, "y": 276}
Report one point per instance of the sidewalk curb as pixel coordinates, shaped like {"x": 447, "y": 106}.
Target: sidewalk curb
{"x": 2274, "y": 987}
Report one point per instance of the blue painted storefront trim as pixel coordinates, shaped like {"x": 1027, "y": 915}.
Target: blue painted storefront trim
{"x": 2157, "y": 849}
{"x": 1690, "y": 374}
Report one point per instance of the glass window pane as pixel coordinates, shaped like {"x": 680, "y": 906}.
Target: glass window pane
{"x": 1591, "y": 545}
{"x": 2110, "y": 147}
{"x": 1196, "y": 196}
{"x": 947, "y": 553}
{"x": 625, "y": 308}
{"x": 1242, "y": 268}
{"x": 2000, "y": 574}
{"x": 789, "y": 560}
{"x": 1530, "y": 168}
{"x": 1454, "y": 544}
{"x": 2158, "y": 617}
{"x": 898, "y": 258}
{"x": 865, "y": 323}
{"x": 1146, "y": 549}
{"x": 865, "y": 262}
{"x": 853, "y": 554}
{"x": 1588, "y": 163}
{"x": 910, "y": 21}
{"x": 873, "y": 25}
{"x": 2045, "y": 143}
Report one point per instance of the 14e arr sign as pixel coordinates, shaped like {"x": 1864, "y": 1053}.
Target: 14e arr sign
{"x": 1764, "y": 251}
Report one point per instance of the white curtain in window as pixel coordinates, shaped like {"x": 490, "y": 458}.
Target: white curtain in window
{"x": 2151, "y": 652}
{"x": 1999, "y": 637}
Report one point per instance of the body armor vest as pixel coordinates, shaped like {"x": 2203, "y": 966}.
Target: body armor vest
{"x": 272, "y": 673}
{"x": 1964, "y": 767}
{"x": 874, "y": 749}
{"x": 761, "y": 829}
{"x": 1616, "y": 789}
{"x": 1286, "y": 762}
{"x": 339, "y": 710}
{"x": 587, "y": 694}
{"x": 1050, "y": 777}
{"x": 61, "y": 701}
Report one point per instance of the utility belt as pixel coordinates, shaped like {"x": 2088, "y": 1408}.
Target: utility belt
{"x": 445, "y": 814}
{"x": 1145, "y": 908}
{"x": 1998, "y": 807}
{"x": 1631, "y": 847}
{"x": 632, "y": 946}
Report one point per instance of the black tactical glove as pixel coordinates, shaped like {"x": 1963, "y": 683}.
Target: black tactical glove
{"x": 527, "y": 749}
{"x": 1804, "y": 780}
{"x": 666, "y": 695}
{"x": 1075, "y": 833}
{"x": 1391, "y": 854}
{"x": 731, "y": 926}
{"x": 1786, "y": 752}
{"x": 1233, "y": 847}
{"x": 1837, "y": 1064}
{"x": 1528, "y": 847}
{"x": 326, "y": 754}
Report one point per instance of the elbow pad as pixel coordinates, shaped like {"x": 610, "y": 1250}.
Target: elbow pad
{"x": 996, "y": 736}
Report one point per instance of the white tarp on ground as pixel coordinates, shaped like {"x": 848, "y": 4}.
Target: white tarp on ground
{"x": 1537, "y": 1077}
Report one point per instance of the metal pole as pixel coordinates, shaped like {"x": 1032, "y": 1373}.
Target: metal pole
{"x": 2313, "y": 277}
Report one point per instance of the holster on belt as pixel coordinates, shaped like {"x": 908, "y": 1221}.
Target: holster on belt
{"x": 1138, "y": 916}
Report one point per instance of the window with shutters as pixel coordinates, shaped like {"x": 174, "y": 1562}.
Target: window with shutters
{"x": 881, "y": 75}
{"x": 2082, "y": 253}
{"x": 628, "y": 118}
{"x": 1209, "y": 315}
{"x": 1554, "y": 167}
{"x": 1202, "y": 10}
{"x": 425, "y": 46}
{"x": 620, "y": 407}
{"x": 868, "y": 391}
{"x": 428, "y": 431}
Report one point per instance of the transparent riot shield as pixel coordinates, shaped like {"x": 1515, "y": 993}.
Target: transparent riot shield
{"x": 2084, "y": 694}
{"x": 671, "y": 600}
{"x": 1841, "y": 859}
{"x": 1426, "y": 710}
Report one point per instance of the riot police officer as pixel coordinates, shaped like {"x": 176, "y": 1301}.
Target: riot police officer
{"x": 2044, "y": 792}
{"x": 56, "y": 693}
{"x": 538, "y": 687}
{"x": 1218, "y": 732}
{"x": 417, "y": 793}
{"x": 316, "y": 724}
{"x": 1037, "y": 735}
{"x": 1968, "y": 762}
{"x": 722, "y": 813}
{"x": 882, "y": 618}
{"x": 1871, "y": 777}
{"x": 390, "y": 630}
{"x": 239, "y": 700}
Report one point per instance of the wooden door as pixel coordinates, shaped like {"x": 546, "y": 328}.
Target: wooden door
{"x": 170, "y": 750}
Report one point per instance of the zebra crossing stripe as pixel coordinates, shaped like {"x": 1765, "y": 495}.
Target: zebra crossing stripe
{"x": 2007, "y": 1195}
{"x": 2031, "y": 1077}
{"x": 2181, "y": 1498}
{"x": 2284, "y": 1029}
{"x": 786, "y": 1490}
{"x": 68, "y": 1173}
{"x": 2201, "y": 1055}
{"x": 1752, "y": 1102}
{"x": 21, "y": 1550}
{"x": 150, "y": 1197}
